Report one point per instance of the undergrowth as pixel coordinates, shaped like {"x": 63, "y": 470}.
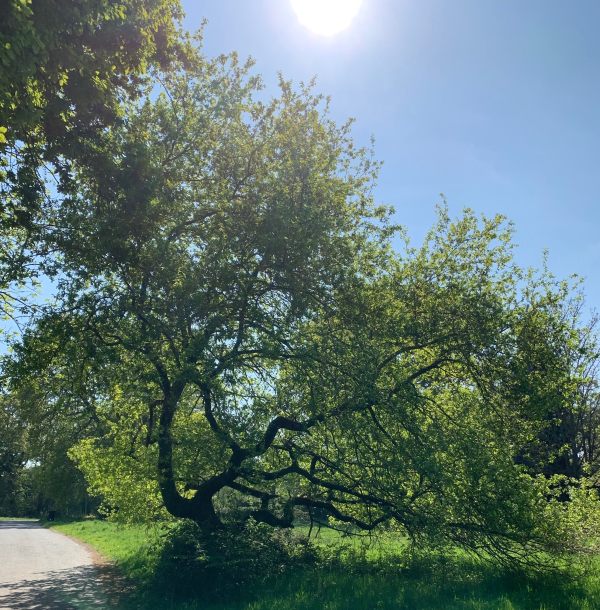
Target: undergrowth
{"x": 175, "y": 567}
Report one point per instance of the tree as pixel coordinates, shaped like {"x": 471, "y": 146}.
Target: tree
{"x": 251, "y": 331}
{"x": 40, "y": 421}
{"x": 12, "y": 460}
{"x": 566, "y": 445}
{"x": 585, "y": 417}
{"x": 66, "y": 70}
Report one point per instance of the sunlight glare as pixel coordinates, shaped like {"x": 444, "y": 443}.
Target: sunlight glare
{"x": 326, "y": 17}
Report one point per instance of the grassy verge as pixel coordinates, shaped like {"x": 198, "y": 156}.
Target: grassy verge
{"x": 132, "y": 547}
{"x": 356, "y": 579}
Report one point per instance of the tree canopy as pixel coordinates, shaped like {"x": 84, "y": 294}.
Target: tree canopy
{"x": 239, "y": 331}
{"x": 66, "y": 72}
{"x": 251, "y": 344}
{"x": 67, "y": 67}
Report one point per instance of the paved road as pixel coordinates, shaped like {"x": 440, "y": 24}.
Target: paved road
{"x": 43, "y": 570}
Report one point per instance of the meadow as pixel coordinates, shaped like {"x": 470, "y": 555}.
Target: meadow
{"x": 351, "y": 574}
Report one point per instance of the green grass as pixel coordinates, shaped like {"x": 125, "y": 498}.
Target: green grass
{"x": 370, "y": 579}
{"x": 129, "y": 546}
{"x": 119, "y": 543}
{"x": 373, "y": 547}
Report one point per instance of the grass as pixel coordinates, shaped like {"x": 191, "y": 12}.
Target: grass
{"x": 371, "y": 578}
{"x": 131, "y": 547}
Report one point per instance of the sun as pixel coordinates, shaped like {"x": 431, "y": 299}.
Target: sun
{"x": 326, "y": 17}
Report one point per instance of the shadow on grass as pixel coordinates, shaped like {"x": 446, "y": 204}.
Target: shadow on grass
{"x": 359, "y": 584}
{"x": 424, "y": 591}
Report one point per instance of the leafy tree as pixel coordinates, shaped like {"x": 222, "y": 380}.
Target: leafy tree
{"x": 13, "y": 453}
{"x": 36, "y": 475}
{"x": 66, "y": 69}
{"x": 252, "y": 332}
{"x": 566, "y": 445}
{"x": 585, "y": 448}
{"x": 588, "y": 427}
{"x": 50, "y": 411}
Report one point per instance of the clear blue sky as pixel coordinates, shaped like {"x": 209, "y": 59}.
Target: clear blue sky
{"x": 495, "y": 103}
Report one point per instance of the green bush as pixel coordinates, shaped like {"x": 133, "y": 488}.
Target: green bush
{"x": 220, "y": 564}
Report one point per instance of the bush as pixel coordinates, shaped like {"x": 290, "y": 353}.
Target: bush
{"x": 224, "y": 562}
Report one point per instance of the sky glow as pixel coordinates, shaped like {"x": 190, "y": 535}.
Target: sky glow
{"x": 326, "y": 17}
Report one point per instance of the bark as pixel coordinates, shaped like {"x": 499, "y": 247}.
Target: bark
{"x": 199, "y": 508}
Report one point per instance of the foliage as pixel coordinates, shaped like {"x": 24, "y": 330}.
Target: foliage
{"x": 66, "y": 71}
{"x": 566, "y": 445}
{"x": 218, "y": 565}
{"x": 249, "y": 333}
{"x": 585, "y": 416}
{"x": 235, "y": 340}
{"x": 13, "y": 452}
{"x": 121, "y": 470}
{"x": 67, "y": 67}
{"x": 41, "y": 427}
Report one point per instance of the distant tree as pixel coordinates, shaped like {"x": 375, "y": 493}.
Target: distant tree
{"x": 567, "y": 443}
{"x": 37, "y": 429}
{"x": 251, "y": 331}
{"x": 13, "y": 456}
{"x": 586, "y": 414}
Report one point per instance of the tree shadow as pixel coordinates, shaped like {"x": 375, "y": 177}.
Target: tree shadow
{"x": 83, "y": 588}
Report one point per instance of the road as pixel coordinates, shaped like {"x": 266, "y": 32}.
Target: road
{"x": 43, "y": 570}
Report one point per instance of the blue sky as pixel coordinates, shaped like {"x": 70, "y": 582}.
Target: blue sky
{"x": 495, "y": 103}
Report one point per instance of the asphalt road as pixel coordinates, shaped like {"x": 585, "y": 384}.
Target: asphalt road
{"x": 43, "y": 570}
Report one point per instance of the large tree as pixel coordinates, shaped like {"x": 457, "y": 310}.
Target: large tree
{"x": 251, "y": 331}
{"x": 13, "y": 457}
